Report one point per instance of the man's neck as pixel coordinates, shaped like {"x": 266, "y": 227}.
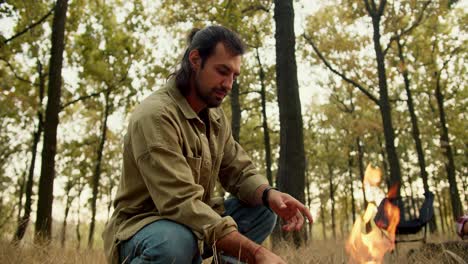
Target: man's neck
{"x": 193, "y": 101}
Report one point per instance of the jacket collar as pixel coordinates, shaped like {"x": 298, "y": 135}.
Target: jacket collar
{"x": 180, "y": 100}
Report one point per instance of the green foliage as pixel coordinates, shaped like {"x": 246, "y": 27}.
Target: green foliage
{"x": 128, "y": 49}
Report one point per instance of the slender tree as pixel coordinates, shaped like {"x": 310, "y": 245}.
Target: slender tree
{"x": 98, "y": 165}
{"x": 291, "y": 169}
{"x": 24, "y": 221}
{"x": 235, "y": 111}
{"x": 46, "y": 182}
{"x": 266, "y": 131}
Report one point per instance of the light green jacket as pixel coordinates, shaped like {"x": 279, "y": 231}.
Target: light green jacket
{"x": 170, "y": 168}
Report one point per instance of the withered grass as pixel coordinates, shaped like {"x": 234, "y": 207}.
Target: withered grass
{"x": 317, "y": 251}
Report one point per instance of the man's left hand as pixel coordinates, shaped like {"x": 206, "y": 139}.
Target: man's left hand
{"x": 289, "y": 209}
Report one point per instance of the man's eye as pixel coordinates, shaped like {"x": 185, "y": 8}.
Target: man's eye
{"x": 223, "y": 72}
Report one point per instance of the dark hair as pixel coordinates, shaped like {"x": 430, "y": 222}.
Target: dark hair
{"x": 205, "y": 40}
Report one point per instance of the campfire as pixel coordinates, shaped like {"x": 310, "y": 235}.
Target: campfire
{"x": 371, "y": 246}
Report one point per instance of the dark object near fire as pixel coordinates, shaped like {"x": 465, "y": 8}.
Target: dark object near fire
{"x": 413, "y": 226}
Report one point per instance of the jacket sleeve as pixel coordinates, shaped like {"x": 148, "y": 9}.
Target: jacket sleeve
{"x": 170, "y": 178}
{"x": 238, "y": 174}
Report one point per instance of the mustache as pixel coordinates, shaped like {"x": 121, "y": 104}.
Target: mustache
{"x": 221, "y": 89}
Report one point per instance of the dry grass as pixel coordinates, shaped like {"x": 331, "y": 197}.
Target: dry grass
{"x": 330, "y": 251}
{"x": 32, "y": 254}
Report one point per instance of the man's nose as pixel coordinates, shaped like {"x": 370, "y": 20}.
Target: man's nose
{"x": 227, "y": 83}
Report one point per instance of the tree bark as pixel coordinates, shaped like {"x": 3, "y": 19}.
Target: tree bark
{"x": 322, "y": 214}
{"x": 332, "y": 198}
{"x": 21, "y": 187}
{"x": 361, "y": 169}
{"x": 308, "y": 198}
{"x": 235, "y": 111}
{"x": 97, "y": 168}
{"x": 350, "y": 172}
{"x": 67, "y": 210}
{"x": 24, "y": 221}
{"x": 46, "y": 183}
{"x": 266, "y": 131}
{"x": 414, "y": 120}
{"x": 415, "y": 127}
{"x": 457, "y": 208}
{"x": 78, "y": 213}
{"x": 291, "y": 169}
{"x": 376, "y": 12}
{"x": 441, "y": 213}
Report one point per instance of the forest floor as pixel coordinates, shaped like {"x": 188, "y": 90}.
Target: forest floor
{"x": 437, "y": 250}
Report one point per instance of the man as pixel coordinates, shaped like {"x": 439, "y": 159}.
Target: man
{"x": 178, "y": 144}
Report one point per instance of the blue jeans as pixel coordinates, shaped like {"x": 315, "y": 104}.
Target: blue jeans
{"x": 166, "y": 241}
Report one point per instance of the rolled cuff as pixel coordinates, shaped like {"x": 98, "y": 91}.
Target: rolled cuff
{"x": 216, "y": 231}
{"x": 249, "y": 186}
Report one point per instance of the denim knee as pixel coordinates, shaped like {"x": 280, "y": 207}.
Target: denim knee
{"x": 163, "y": 241}
{"x": 267, "y": 221}
{"x": 270, "y": 218}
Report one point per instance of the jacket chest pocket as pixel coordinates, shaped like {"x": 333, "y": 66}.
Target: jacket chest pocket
{"x": 195, "y": 165}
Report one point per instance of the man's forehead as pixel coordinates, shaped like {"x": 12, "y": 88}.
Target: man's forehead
{"x": 224, "y": 56}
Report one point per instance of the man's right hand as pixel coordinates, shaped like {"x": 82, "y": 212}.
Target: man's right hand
{"x": 264, "y": 256}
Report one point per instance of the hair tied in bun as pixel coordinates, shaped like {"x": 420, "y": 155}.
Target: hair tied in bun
{"x": 192, "y": 34}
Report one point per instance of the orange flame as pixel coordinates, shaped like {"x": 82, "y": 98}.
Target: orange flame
{"x": 371, "y": 247}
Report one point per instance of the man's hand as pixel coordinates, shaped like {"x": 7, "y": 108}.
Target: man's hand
{"x": 267, "y": 257}
{"x": 289, "y": 209}
{"x": 235, "y": 244}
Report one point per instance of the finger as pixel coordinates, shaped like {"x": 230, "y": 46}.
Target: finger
{"x": 306, "y": 211}
{"x": 296, "y": 204}
{"x": 300, "y": 221}
{"x": 289, "y": 226}
{"x": 292, "y": 224}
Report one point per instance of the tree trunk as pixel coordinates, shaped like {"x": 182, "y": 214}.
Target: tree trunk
{"x": 441, "y": 213}
{"x": 78, "y": 213}
{"x": 291, "y": 169}
{"x": 235, "y": 111}
{"x": 24, "y": 221}
{"x": 350, "y": 172}
{"x": 414, "y": 120}
{"x": 457, "y": 209}
{"x": 361, "y": 169}
{"x": 384, "y": 102}
{"x": 322, "y": 214}
{"x": 332, "y": 198}
{"x": 97, "y": 168}
{"x": 345, "y": 222}
{"x": 414, "y": 204}
{"x": 266, "y": 132}
{"x": 308, "y": 198}
{"x": 411, "y": 207}
{"x": 21, "y": 186}
{"x": 67, "y": 210}
{"x": 46, "y": 183}
{"x": 384, "y": 162}
{"x": 446, "y": 209}
{"x": 415, "y": 128}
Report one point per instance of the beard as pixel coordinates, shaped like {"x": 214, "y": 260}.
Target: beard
{"x": 210, "y": 96}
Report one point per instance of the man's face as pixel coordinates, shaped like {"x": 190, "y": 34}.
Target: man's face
{"x": 213, "y": 80}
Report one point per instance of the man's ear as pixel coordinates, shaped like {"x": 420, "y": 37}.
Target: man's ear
{"x": 195, "y": 59}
